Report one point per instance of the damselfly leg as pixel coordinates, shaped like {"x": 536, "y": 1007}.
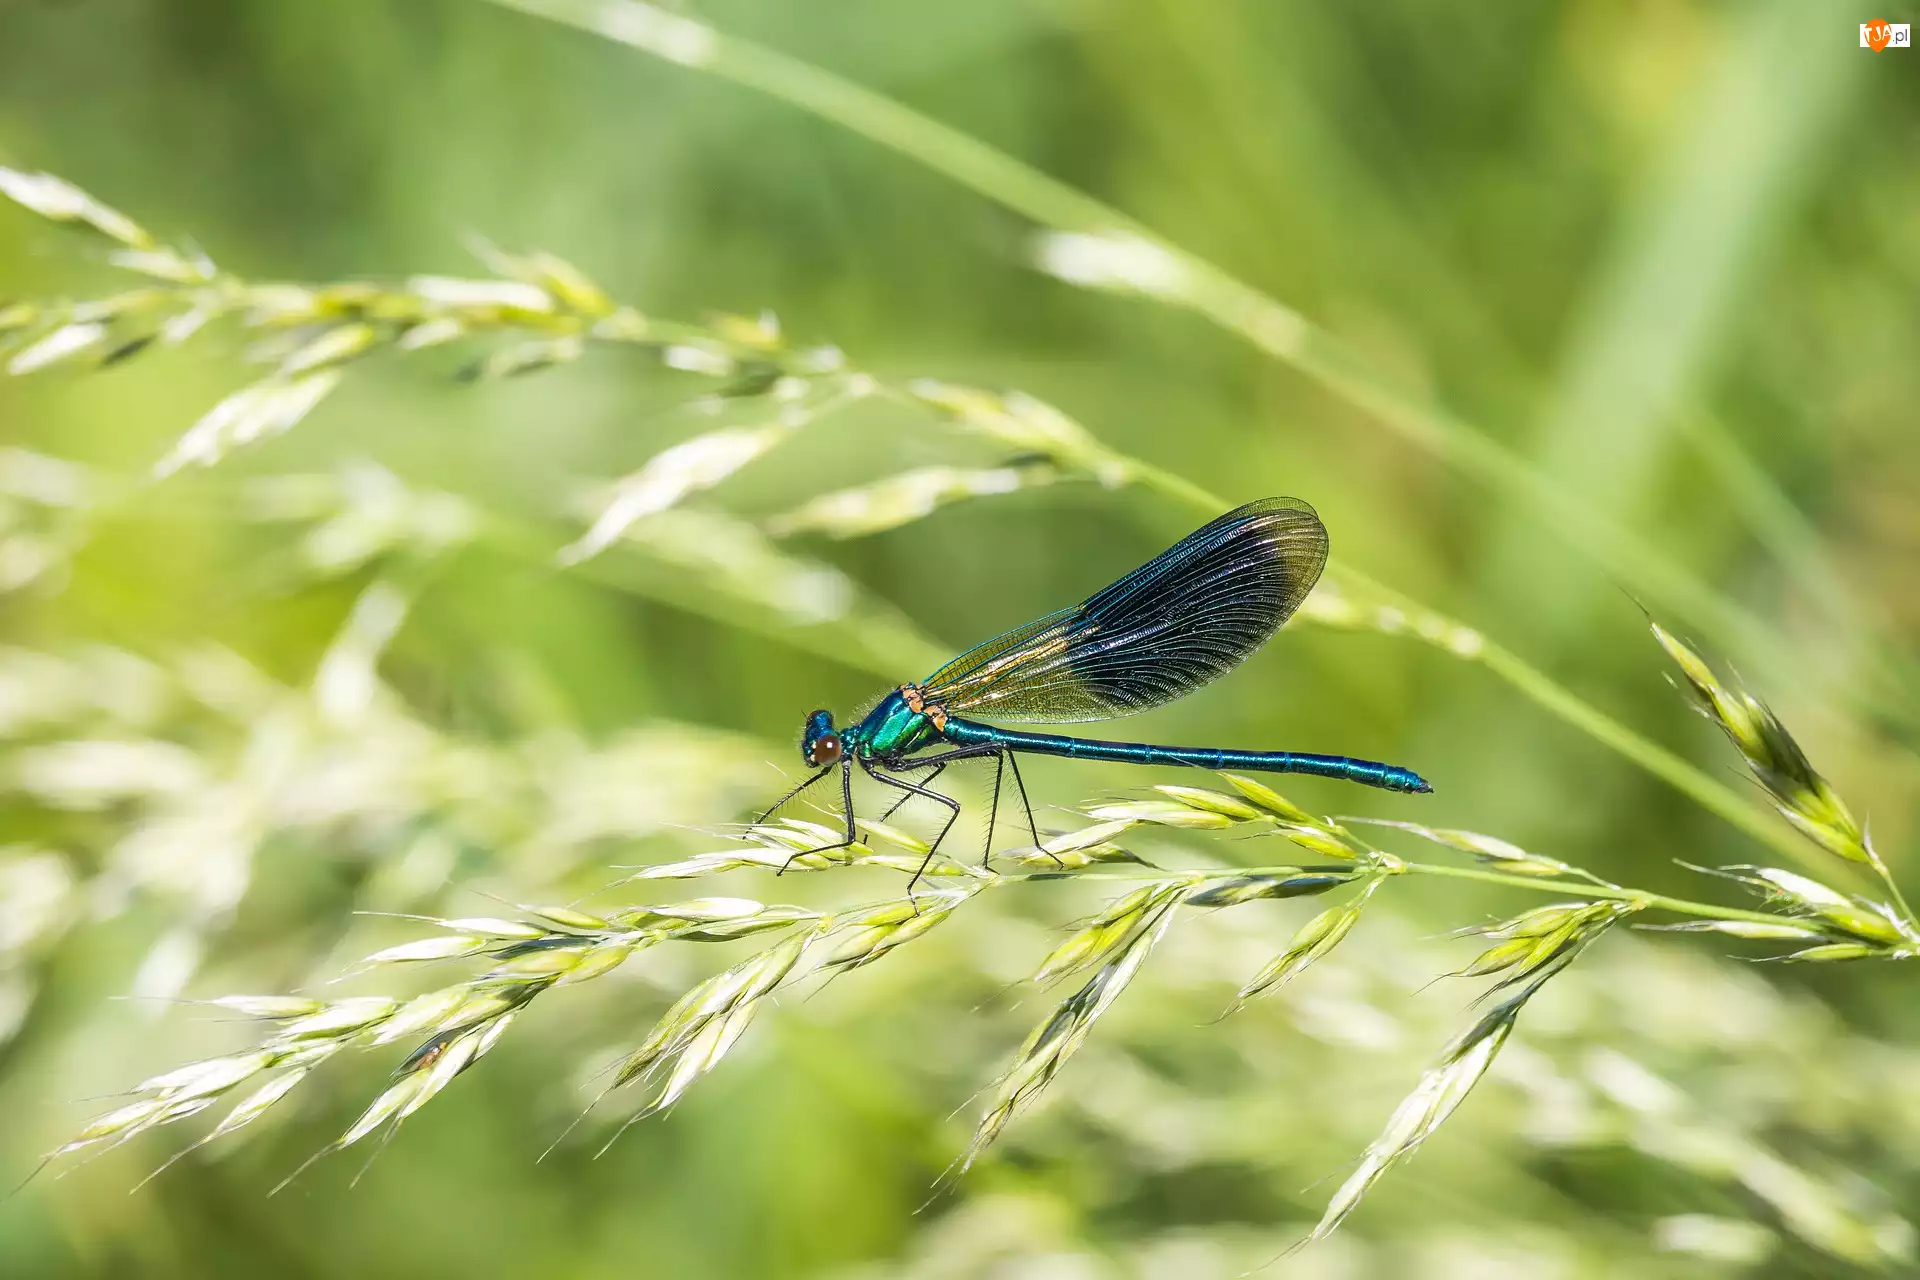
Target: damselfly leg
{"x": 914, "y": 789}
{"x": 846, "y": 801}
{"x": 1002, "y": 760}
{"x": 894, "y": 808}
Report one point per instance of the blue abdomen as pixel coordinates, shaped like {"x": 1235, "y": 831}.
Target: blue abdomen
{"x": 1371, "y": 773}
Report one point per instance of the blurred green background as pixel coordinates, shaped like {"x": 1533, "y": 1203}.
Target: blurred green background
{"x": 1667, "y": 252}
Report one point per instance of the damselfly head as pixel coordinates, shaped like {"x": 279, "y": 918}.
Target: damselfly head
{"x": 820, "y": 745}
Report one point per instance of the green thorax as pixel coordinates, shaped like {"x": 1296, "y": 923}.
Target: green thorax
{"x": 892, "y": 729}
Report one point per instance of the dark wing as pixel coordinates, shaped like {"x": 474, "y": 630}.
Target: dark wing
{"x": 1187, "y": 616}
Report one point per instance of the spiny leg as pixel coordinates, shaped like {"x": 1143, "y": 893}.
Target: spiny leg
{"x": 938, "y": 769}
{"x": 993, "y": 810}
{"x": 846, "y": 800}
{"x": 952, "y": 817}
{"x": 781, "y": 802}
{"x": 1002, "y": 757}
{"x": 1033, "y": 828}
{"x": 938, "y": 762}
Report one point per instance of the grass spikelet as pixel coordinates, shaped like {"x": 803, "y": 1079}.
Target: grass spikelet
{"x": 1203, "y": 809}
{"x": 795, "y": 845}
{"x": 1029, "y": 426}
{"x": 269, "y": 1007}
{"x": 1751, "y": 929}
{"x": 1822, "y": 906}
{"x": 1535, "y": 923}
{"x": 1160, "y": 813}
{"x": 1295, "y": 883}
{"x": 728, "y": 995}
{"x": 1802, "y": 796}
{"x": 1212, "y": 802}
{"x": 551, "y": 947}
{"x": 1269, "y": 799}
{"x": 68, "y": 342}
{"x": 257, "y": 1103}
{"x": 1077, "y": 850}
{"x": 703, "y": 462}
{"x": 60, "y": 201}
{"x": 544, "y": 311}
{"x": 1462, "y": 1065}
{"x": 865, "y": 936}
{"x": 1060, "y": 1036}
{"x": 1315, "y": 939}
{"x": 1325, "y": 841}
{"x": 1526, "y": 955}
{"x": 1440, "y": 1091}
{"x": 252, "y": 413}
{"x": 1112, "y": 932}
{"x": 1837, "y": 951}
{"x": 1492, "y": 850}
{"x": 450, "y": 947}
{"x": 902, "y": 499}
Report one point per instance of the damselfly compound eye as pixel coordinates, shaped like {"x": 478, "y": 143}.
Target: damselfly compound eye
{"x": 819, "y": 744}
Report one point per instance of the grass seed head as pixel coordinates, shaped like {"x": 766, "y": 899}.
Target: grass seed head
{"x": 1270, "y": 800}
{"x": 430, "y": 1010}
{"x": 1509, "y": 857}
{"x": 1321, "y": 840}
{"x": 1212, "y": 801}
{"x": 341, "y": 1018}
{"x": 1440, "y": 1091}
{"x": 68, "y": 342}
{"x": 1500, "y": 957}
{"x": 257, "y": 1103}
{"x": 1534, "y": 923}
{"x": 1837, "y": 951}
{"x": 894, "y": 836}
{"x": 716, "y": 998}
{"x": 1098, "y": 834}
{"x": 1112, "y": 932}
{"x": 1239, "y": 889}
{"x": 1866, "y": 921}
{"x": 881, "y": 931}
{"x": 902, "y": 499}
{"x": 213, "y": 1076}
{"x": 600, "y": 959}
{"x": 60, "y": 201}
{"x": 447, "y": 947}
{"x": 276, "y": 1008}
{"x": 705, "y": 910}
{"x": 1162, "y": 813}
{"x": 121, "y": 1120}
{"x": 1315, "y": 939}
{"x": 1803, "y": 797}
{"x": 1753, "y": 929}
{"x": 1086, "y": 855}
{"x": 1056, "y": 1039}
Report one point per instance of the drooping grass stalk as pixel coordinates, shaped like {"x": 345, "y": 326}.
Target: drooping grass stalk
{"x": 1171, "y": 274}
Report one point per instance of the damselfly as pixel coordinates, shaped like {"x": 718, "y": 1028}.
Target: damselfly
{"x": 1187, "y": 616}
